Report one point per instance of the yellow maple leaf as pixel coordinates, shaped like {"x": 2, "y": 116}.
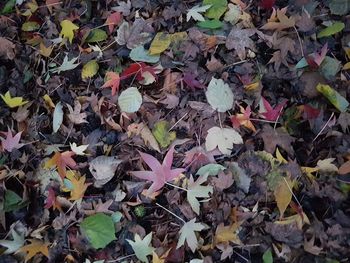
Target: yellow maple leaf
{"x": 161, "y": 259}
{"x": 308, "y": 171}
{"x": 34, "y": 248}
{"x": 78, "y": 185}
{"x": 226, "y": 234}
{"x": 279, "y": 20}
{"x": 13, "y": 102}
{"x": 68, "y": 30}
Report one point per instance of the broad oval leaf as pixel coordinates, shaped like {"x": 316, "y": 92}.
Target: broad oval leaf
{"x": 96, "y": 35}
{"x": 219, "y": 95}
{"x": 99, "y": 229}
{"x": 89, "y": 69}
{"x": 130, "y": 100}
{"x": 331, "y": 30}
{"x": 223, "y": 138}
{"x": 57, "y": 117}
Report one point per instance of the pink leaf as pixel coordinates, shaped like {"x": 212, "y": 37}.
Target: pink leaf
{"x": 161, "y": 173}
{"x": 113, "y": 20}
{"x": 271, "y": 114}
{"x": 190, "y": 80}
{"x": 315, "y": 59}
{"x": 11, "y": 142}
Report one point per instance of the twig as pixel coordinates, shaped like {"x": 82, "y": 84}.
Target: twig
{"x": 175, "y": 186}
{"x": 324, "y": 127}
{"x": 291, "y": 191}
{"x": 183, "y": 221}
{"x": 300, "y": 43}
{"x": 236, "y": 63}
{"x": 177, "y": 122}
{"x": 121, "y": 258}
{"x": 220, "y": 120}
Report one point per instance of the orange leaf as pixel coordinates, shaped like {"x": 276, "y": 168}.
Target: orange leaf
{"x": 34, "y": 248}
{"x": 61, "y": 161}
{"x": 79, "y": 185}
{"x": 112, "y": 82}
{"x": 283, "y": 194}
{"x": 284, "y": 22}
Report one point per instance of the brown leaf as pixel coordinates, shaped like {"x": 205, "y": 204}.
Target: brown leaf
{"x": 279, "y": 137}
{"x": 279, "y": 21}
{"x": 7, "y": 48}
{"x": 239, "y": 39}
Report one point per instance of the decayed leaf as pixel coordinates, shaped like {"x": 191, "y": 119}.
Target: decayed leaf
{"x": 11, "y": 142}
{"x": 130, "y": 100}
{"x": 283, "y": 194}
{"x": 34, "y": 248}
{"x": 77, "y": 186}
{"x": 196, "y": 190}
{"x": 219, "y": 95}
{"x": 243, "y": 119}
{"x": 113, "y": 82}
{"x": 89, "y": 69}
{"x": 225, "y": 234}
{"x": 187, "y": 233}
{"x": 145, "y": 133}
{"x": 279, "y": 21}
{"x": 239, "y": 39}
{"x": 103, "y": 169}
{"x": 68, "y": 29}
{"x": 162, "y": 134}
{"x": 160, "y": 43}
{"x": 195, "y": 11}
{"x": 75, "y": 115}
{"x": 142, "y": 247}
{"x": 61, "y": 161}
{"x": 13, "y": 102}
{"x": 223, "y": 138}
{"x": 161, "y": 173}
{"x": 7, "y": 48}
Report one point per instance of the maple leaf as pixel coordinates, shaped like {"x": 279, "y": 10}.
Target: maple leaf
{"x": 190, "y": 80}
{"x": 66, "y": 65}
{"x": 315, "y": 59}
{"x": 271, "y": 114}
{"x": 196, "y": 190}
{"x": 68, "y": 29}
{"x": 225, "y": 234}
{"x": 51, "y": 200}
{"x": 74, "y": 115}
{"x": 113, "y": 82}
{"x": 195, "y": 11}
{"x": 11, "y": 142}
{"x": 34, "y": 248}
{"x": 13, "y": 102}
{"x": 279, "y": 21}
{"x": 78, "y": 187}
{"x": 243, "y": 119}
{"x": 15, "y": 244}
{"x": 138, "y": 69}
{"x": 61, "y": 161}
{"x": 161, "y": 173}
{"x": 142, "y": 247}
{"x": 187, "y": 233}
{"x": 113, "y": 20}
{"x": 239, "y": 39}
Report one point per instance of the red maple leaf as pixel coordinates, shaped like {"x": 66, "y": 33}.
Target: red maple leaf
{"x": 161, "y": 173}
{"x": 137, "y": 69}
{"x": 113, "y": 20}
{"x": 271, "y": 114}
{"x": 113, "y": 82}
{"x": 309, "y": 112}
{"x": 267, "y": 4}
{"x": 61, "y": 161}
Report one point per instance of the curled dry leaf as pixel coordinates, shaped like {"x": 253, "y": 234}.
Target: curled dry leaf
{"x": 103, "y": 168}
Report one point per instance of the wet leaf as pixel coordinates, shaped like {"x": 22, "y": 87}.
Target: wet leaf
{"x": 333, "y": 97}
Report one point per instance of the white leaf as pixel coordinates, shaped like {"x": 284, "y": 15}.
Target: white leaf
{"x": 141, "y": 54}
{"x": 196, "y": 190}
{"x": 195, "y": 11}
{"x": 223, "y": 138}
{"x": 79, "y": 150}
{"x": 103, "y": 168}
{"x": 327, "y": 166}
{"x": 13, "y": 245}
{"x": 57, "y": 117}
{"x": 130, "y": 100}
{"x": 219, "y": 95}
{"x": 66, "y": 65}
{"x": 142, "y": 247}
{"x": 187, "y": 234}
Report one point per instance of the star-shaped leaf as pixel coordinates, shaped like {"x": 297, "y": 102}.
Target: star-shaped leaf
{"x": 195, "y": 11}
{"x": 243, "y": 119}
{"x": 239, "y": 39}
{"x": 34, "y": 248}
{"x": 196, "y": 190}
{"x": 66, "y": 65}
{"x": 161, "y": 173}
{"x": 13, "y": 245}
{"x": 13, "y": 102}
{"x": 113, "y": 82}
{"x": 142, "y": 247}
{"x": 61, "y": 161}
{"x": 187, "y": 233}
{"x": 68, "y": 29}
{"x": 77, "y": 185}
{"x": 269, "y": 113}
{"x": 11, "y": 142}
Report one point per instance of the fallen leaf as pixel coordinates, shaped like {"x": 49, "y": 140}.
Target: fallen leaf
{"x": 196, "y": 190}
{"x": 223, "y": 138}
{"x": 7, "y": 48}
{"x": 68, "y": 29}
{"x": 142, "y": 247}
{"x": 333, "y": 96}
{"x": 145, "y": 133}
{"x": 130, "y": 100}
{"x": 161, "y": 173}
{"x": 13, "y": 245}
{"x": 89, "y": 69}
{"x": 269, "y": 113}
{"x": 217, "y": 8}
{"x": 160, "y": 43}
{"x": 195, "y": 11}
{"x": 78, "y": 185}
{"x": 75, "y": 116}
{"x": 66, "y": 65}
{"x": 162, "y": 134}
{"x": 13, "y": 102}
{"x": 61, "y": 161}
{"x": 113, "y": 82}
{"x": 283, "y": 194}
{"x": 34, "y": 248}
{"x": 327, "y": 166}
{"x": 187, "y": 233}
{"x": 225, "y": 234}
{"x": 11, "y": 142}
{"x": 331, "y": 30}
{"x": 57, "y": 117}
{"x": 239, "y": 39}
{"x": 279, "y": 21}
{"x": 219, "y": 95}
{"x": 103, "y": 168}
{"x": 112, "y": 20}
{"x": 243, "y": 119}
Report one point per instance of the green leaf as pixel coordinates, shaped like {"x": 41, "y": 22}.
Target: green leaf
{"x": 141, "y": 54}
{"x": 89, "y": 69}
{"x": 333, "y": 96}
{"x": 330, "y": 67}
{"x": 96, "y": 35}
{"x": 30, "y": 26}
{"x": 211, "y": 169}
{"x": 217, "y": 9}
{"x": 267, "y": 257}
{"x": 162, "y": 134}
{"x": 99, "y": 229}
{"x": 339, "y": 7}
{"x": 142, "y": 247}
{"x": 210, "y": 24}
{"x": 130, "y": 100}
{"x": 13, "y": 201}
{"x": 331, "y": 30}
{"x": 9, "y": 7}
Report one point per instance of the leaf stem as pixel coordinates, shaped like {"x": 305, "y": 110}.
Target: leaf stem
{"x": 175, "y": 186}
{"x": 183, "y": 221}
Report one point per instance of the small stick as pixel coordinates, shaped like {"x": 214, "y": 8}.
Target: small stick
{"x": 324, "y": 127}
{"x": 183, "y": 221}
{"x": 176, "y": 123}
{"x": 175, "y": 186}
{"x": 296, "y": 199}
{"x": 300, "y": 43}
